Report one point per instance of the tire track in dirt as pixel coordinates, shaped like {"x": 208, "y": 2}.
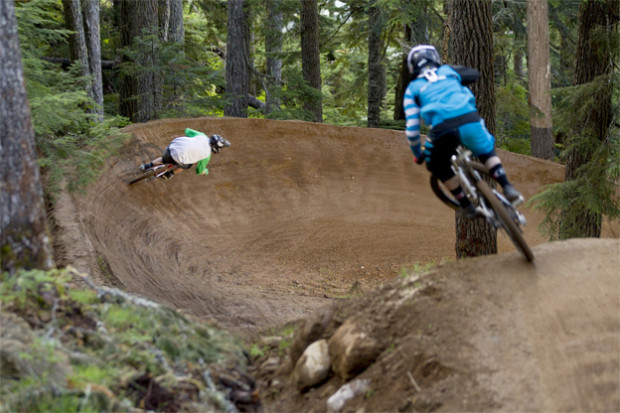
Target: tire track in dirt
{"x": 293, "y": 215}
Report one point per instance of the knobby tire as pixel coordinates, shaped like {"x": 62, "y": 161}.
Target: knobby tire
{"x": 441, "y": 194}
{"x": 508, "y": 224}
{"x": 145, "y": 176}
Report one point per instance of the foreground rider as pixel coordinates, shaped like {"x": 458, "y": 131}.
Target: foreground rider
{"x": 438, "y": 95}
{"x": 193, "y": 148}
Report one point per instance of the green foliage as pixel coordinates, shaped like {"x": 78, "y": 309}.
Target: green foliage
{"x": 256, "y": 351}
{"x": 592, "y": 192}
{"x": 72, "y": 142}
{"x": 40, "y": 26}
{"x": 84, "y": 297}
{"x": 80, "y": 349}
{"x": 26, "y": 289}
{"x": 593, "y": 189}
{"x": 512, "y": 118}
{"x": 190, "y": 81}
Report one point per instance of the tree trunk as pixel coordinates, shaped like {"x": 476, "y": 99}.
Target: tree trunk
{"x": 163, "y": 18}
{"x": 375, "y": 68}
{"x": 539, "y": 74}
{"x": 176, "y": 28}
{"x": 24, "y": 235}
{"x": 273, "y": 46}
{"x": 77, "y": 39}
{"x": 90, "y": 10}
{"x": 403, "y": 79}
{"x": 594, "y": 59}
{"x": 310, "y": 57}
{"x": 413, "y": 34}
{"x": 471, "y": 44}
{"x": 139, "y": 88}
{"x": 517, "y": 64}
{"x": 237, "y": 66}
{"x": 82, "y": 18}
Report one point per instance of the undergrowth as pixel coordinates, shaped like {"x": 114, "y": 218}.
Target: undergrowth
{"x": 67, "y": 348}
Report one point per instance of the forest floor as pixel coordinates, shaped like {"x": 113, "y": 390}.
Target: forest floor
{"x": 296, "y": 217}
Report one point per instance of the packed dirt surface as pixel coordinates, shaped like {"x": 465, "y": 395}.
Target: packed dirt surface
{"x": 482, "y": 335}
{"x": 295, "y": 216}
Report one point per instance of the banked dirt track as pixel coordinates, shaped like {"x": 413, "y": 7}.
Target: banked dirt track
{"x": 291, "y": 215}
{"x": 295, "y": 215}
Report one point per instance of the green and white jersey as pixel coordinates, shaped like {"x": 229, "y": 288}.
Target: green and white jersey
{"x": 192, "y": 149}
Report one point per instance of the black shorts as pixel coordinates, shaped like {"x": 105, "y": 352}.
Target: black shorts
{"x": 443, "y": 149}
{"x": 167, "y": 158}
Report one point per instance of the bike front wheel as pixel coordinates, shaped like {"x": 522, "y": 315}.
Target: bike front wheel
{"x": 508, "y": 224}
{"x": 151, "y": 173}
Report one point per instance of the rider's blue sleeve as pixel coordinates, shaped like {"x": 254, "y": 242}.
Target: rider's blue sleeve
{"x": 412, "y": 117}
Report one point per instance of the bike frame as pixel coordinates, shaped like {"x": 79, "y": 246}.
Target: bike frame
{"x": 465, "y": 168}
{"x": 489, "y": 203}
{"x": 154, "y": 173}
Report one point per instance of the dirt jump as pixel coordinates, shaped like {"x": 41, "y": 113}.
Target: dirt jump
{"x": 295, "y": 215}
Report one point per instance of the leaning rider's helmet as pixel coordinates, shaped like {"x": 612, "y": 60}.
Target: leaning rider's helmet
{"x": 217, "y": 143}
{"x": 421, "y": 57}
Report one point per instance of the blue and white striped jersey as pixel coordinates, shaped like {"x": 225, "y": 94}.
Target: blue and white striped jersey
{"x": 436, "y": 95}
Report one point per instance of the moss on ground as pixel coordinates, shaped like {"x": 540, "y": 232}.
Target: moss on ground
{"x": 89, "y": 348}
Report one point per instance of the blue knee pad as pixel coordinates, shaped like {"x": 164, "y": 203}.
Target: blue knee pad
{"x": 477, "y": 138}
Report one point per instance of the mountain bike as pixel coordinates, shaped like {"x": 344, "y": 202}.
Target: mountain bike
{"x": 154, "y": 172}
{"x": 489, "y": 202}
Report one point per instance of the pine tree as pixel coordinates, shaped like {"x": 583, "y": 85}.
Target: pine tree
{"x": 24, "y": 235}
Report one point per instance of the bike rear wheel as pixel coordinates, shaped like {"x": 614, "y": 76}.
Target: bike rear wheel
{"x": 508, "y": 224}
{"x": 442, "y": 195}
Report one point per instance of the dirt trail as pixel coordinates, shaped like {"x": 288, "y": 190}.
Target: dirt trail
{"x": 291, "y": 215}
{"x": 295, "y": 215}
{"x": 490, "y": 335}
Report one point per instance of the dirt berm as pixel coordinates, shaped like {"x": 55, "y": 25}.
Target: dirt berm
{"x": 296, "y": 216}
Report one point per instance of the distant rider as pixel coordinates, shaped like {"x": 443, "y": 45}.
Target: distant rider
{"x": 438, "y": 94}
{"x": 193, "y": 148}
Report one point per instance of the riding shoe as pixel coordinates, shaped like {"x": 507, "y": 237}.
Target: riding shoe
{"x": 513, "y": 195}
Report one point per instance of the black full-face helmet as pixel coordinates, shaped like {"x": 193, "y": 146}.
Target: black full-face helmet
{"x": 421, "y": 57}
{"x": 217, "y": 143}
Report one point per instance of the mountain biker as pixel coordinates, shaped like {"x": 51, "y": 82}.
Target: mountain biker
{"x": 438, "y": 94}
{"x": 193, "y": 148}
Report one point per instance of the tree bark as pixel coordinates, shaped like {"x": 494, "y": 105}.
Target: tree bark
{"x": 90, "y": 10}
{"x": 237, "y": 64}
{"x": 403, "y": 78}
{"x": 139, "y": 88}
{"x": 471, "y": 44}
{"x": 77, "y": 39}
{"x": 418, "y": 34}
{"x": 273, "y": 46}
{"x": 539, "y": 74}
{"x": 82, "y": 18}
{"x": 594, "y": 59}
{"x": 310, "y": 57}
{"x": 163, "y": 19}
{"x": 376, "y": 70}
{"x": 176, "y": 28}
{"x": 24, "y": 235}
